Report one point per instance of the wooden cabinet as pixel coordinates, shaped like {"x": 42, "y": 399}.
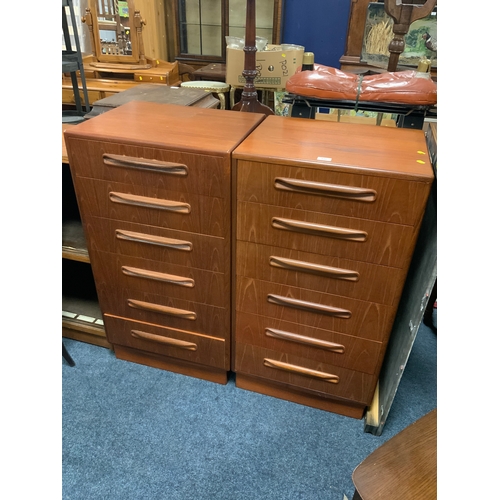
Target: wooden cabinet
{"x": 81, "y": 315}
{"x": 197, "y": 29}
{"x": 327, "y": 217}
{"x": 153, "y": 184}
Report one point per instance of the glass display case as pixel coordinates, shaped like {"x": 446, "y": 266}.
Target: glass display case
{"x": 197, "y": 28}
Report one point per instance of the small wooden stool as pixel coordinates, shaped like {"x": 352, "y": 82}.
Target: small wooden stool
{"x": 219, "y": 88}
{"x": 404, "y": 467}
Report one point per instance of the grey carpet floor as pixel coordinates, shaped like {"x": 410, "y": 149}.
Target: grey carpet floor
{"x": 131, "y": 432}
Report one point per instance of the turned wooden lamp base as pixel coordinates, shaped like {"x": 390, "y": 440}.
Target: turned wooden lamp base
{"x": 249, "y": 99}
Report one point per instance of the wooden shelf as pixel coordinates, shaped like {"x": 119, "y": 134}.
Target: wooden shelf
{"x": 74, "y": 246}
{"x": 81, "y": 314}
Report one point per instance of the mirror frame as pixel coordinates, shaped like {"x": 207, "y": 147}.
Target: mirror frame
{"x": 96, "y": 26}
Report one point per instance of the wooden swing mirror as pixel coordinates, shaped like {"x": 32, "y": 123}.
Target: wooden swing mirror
{"x": 116, "y": 34}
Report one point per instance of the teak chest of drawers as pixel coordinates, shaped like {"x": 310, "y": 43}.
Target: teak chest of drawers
{"x": 273, "y": 247}
{"x": 153, "y": 185}
{"x": 327, "y": 217}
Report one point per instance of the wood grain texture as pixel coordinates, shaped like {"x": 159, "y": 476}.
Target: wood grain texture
{"x": 209, "y": 351}
{"x": 193, "y": 316}
{"x": 153, "y": 185}
{"x": 368, "y": 320}
{"x": 206, "y": 175}
{"x": 380, "y": 284}
{"x": 352, "y": 385}
{"x": 358, "y": 353}
{"x": 385, "y": 244}
{"x": 168, "y": 126}
{"x": 64, "y": 149}
{"x": 206, "y": 215}
{"x": 207, "y": 252}
{"x": 327, "y": 216}
{"x": 396, "y": 200}
{"x": 349, "y": 148}
{"x": 296, "y": 395}
{"x": 172, "y": 364}
{"x": 156, "y": 277}
{"x": 403, "y": 467}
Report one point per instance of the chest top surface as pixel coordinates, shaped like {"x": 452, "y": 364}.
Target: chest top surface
{"x": 385, "y": 151}
{"x": 182, "y": 128}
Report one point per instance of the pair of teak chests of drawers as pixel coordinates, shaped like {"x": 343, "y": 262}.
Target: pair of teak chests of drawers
{"x": 273, "y": 247}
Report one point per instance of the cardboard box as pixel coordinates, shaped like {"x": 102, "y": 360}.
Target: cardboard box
{"x": 274, "y": 66}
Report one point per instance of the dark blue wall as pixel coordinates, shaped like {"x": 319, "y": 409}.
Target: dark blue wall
{"x": 319, "y": 25}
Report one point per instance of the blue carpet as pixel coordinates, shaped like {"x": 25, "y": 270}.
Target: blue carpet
{"x": 131, "y": 432}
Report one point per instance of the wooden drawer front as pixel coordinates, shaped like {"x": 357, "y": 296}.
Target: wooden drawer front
{"x": 167, "y": 341}
{"x": 164, "y": 310}
{"x": 155, "y": 243}
{"x": 159, "y": 169}
{"x": 197, "y": 214}
{"x": 327, "y": 191}
{"x": 159, "y": 278}
{"x": 322, "y": 346}
{"x": 307, "y": 374}
{"x": 324, "y": 273}
{"x": 363, "y": 319}
{"x": 356, "y": 239}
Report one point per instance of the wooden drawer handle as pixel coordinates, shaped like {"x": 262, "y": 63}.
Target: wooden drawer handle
{"x": 144, "y": 201}
{"x": 157, "y": 308}
{"x": 300, "y": 370}
{"x": 153, "y": 275}
{"x": 308, "y": 267}
{"x": 322, "y": 189}
{"x": 302, "y": 339}
{"x": 318, "y": 229}
{"x": 154, "y": 240}
{"x": 308, "y": 306}
{"x": 164, "y": 167}
{"x": 189, "y": 346}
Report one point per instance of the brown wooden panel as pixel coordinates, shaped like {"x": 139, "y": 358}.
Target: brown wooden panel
{"x": 150, "y": 242}
{"x": 296, "y": 395}
{"x": 351, "y": 384}
{"x": 386, "y": 244}
{"x": 166, "y": 341}
{"x": 406, "y": 464}
{"x": 346, "y": 147}
{"x": 207, "y": 215}
{"x": 335, "y": 348}
{"x": 205, "y": 175}
{"x": 317, "y": 272}
{"x": 169, "y": 126}
{"x": 395, "y": 200}
{"x": 367, "y": 320}
{"x": 159, "y": 278}
{"x": 184, "y": 314}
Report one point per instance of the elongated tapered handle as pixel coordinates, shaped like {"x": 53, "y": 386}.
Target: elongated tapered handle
{"x": 157, "y": 308}
{"x": 323, "y": 189}
{"x": 300, "y": 370}
{"x": 164, "y": 167}
{"x": 154, "y": 240}
{"x": 181, "y": 344}
{"x": 136, "y": 272}
{"x": 302, "y": 339}
{"x": 319, "y": 229}
{"x": 308, "y": 267}
{"x": 309, "y": 306}
{"x": 147, "y": 202}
